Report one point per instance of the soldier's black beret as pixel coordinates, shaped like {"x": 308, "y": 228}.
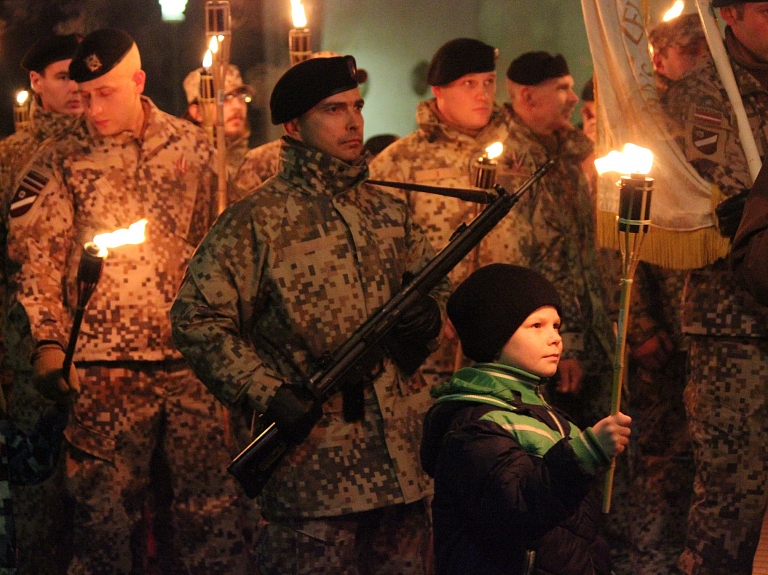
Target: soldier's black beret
{"x": 459, "y": 57}
{"x": 98, "y": 53}
{"x": 49, "y": 50}
{"x": 722, "y": 3}
{"x": 308, "y": 83}
{"x": 533, "y": 68}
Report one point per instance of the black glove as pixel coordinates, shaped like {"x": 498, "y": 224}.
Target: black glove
{"x": 409, "y": 341}
{"x": 729, "y": 214}
{"x": 295, "y": 409}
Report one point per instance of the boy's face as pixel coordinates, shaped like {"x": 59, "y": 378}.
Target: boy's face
{"x": 536, "y": 345}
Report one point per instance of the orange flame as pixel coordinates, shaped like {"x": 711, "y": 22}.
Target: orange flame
{"x": 134, "y": 234}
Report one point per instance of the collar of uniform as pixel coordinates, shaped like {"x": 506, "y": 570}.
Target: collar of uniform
{"x": 434, "y": 128}
{"x": 44, "y": 124}
{"x": 315, "y": 171}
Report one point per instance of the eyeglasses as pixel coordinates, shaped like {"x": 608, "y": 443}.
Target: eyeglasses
{"x": 240, "y": 95}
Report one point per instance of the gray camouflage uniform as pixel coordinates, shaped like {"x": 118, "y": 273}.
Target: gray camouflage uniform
{"x": 283, "y": 276}
{"x": 38, "y": 508}
{"x": 133, "y": 381}
{"x": 438, "y": 155}
{"x": 725, "y": 398}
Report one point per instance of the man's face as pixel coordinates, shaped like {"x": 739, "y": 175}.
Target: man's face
{"x": 676, "y": 60}
{"x": 749, "y": 22}
{"x": 467, "y": 102}
{"x": 334, "y": 126}
{"x": 112, "y": 102}
{"x": 57, "y": 92}
{"x": 552, "y": 103}
{"x": 235, "y": 110}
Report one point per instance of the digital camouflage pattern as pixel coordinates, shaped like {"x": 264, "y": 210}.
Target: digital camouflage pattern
{"x": 283, "y": 277}
{"x": 560, "y": 242}
{"x": 725, "y": 395}
{"x": 259, "y": 164}
{"x": 132, "y": 377}
{"x": 438, "y": 155}
{"x": 39, "y": 539}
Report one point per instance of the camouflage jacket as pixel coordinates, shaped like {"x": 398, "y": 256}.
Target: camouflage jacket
{"x": 259, "y": 164}
{"x": 236, "y": 152}
{"x": 560, "y": 241}
{"x": 15, "y": 153}
{"x": 438, "y": 155}
{"x": 707, "y": 132}
{"x": 284, "y": 276}
{"x": 84, "y": 184}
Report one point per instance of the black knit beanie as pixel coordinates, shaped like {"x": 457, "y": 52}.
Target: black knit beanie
{"x": 489, "y": 306}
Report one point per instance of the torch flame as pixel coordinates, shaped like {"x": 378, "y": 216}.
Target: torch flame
{"x": 133, "y": 235}
{"x": 207, "y": 59}
{"x": 631, "y": 160}
{"x": 213, "y": 45}
{"x": 675, "y": 11}
{"x": 297, "y": 12}
{"x": 494, "y": 150}
{"x": 21, "y": 97}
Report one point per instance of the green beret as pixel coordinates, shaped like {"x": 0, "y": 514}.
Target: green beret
{"x": 308, "y": 83}
{"x": 535, "y": 67}
{"x": 459, "y": 57}
{"x": 49, "y": 50}
{"x": 98, "y": 53}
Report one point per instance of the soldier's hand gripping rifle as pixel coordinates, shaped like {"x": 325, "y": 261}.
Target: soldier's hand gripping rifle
{"x": 256, "y": 463}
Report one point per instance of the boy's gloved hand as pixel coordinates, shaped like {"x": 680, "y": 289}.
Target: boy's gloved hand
{"x": 612, "y": 433}
{"x": 295, "y": 409}
{"x": 47, "y": 377}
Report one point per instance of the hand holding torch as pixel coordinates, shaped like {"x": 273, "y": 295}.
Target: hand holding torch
{"x": 633, "y": 223}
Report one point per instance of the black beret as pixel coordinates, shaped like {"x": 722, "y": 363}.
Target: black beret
{"x": 458, "y": 57}
{"x": 308, "y": 83}
{"x": 49, "y": 50}
{"x": 98, "y": 53}
{"x": 489, "y": 306}
{"x": 534, "y": 67}
{"x": 722, "y": 3}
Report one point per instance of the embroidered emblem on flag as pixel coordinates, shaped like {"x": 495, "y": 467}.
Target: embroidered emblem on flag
{"x": 30, "y": 187}
{"x": 704, "y": 140}
{"x": 707, "y": 116}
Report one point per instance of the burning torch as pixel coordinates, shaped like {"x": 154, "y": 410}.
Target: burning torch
{"x": 21, "y": 111}
{"x": 299, "y": 37}
{"x": 89, "y": 273}
{"x": 207, "y": 94}
{"x": 218, "y": 29}
{"x": 482, "y": 175}
{"x": 633, "y": 222}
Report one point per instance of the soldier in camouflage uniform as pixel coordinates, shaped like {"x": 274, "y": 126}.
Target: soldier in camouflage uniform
{"x": 455, "y": 127}
{"x": 259, "y": 164}
{"x": 725, "y": 396}
{"x": 39, "y": 509}
{"x": 123, "y": 161}
{"x": 236, "y": 98}
{"x": 284, "y": 276}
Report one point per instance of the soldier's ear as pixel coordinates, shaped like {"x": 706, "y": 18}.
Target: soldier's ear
{"x": 139, "y": 78}
{"x": 293, "y": 129}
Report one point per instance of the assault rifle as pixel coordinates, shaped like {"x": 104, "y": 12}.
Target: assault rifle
{"x": 256, "y": 463}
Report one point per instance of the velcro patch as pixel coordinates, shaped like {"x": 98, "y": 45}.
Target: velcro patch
{"x": 704, "y": 140}
{"x": 708, "y": 117}
{"x": 27, "y": 192}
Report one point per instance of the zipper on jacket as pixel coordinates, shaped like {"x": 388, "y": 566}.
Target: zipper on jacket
{"x": 550, "y": 411}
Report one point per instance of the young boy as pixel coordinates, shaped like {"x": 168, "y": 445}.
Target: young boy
{"x": 513, "y": 476}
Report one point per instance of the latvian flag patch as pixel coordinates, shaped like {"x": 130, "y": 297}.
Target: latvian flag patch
{"x": 708, "y": 117}
{"x": 30, "y": 187}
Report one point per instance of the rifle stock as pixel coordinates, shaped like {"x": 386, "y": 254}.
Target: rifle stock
{"x": 256, "y": 463}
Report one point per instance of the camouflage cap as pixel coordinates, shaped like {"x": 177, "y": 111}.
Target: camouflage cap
{"x": 681, "y": 31}
{"x": 308, "y": 83}
{"x": 534, "y": 68}
{"x": 49, "y": 50}
{"x": 459, "y": 57}
{"x": 489, "y": 306}
{"x": 233, "y": 84}
{"x": 98, "y": 53}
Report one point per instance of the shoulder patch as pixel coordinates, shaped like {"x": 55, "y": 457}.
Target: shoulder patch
{"x": 704, "y": 140}
{"x": 27, "y": 192}
{"x": 707, "y": 117}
